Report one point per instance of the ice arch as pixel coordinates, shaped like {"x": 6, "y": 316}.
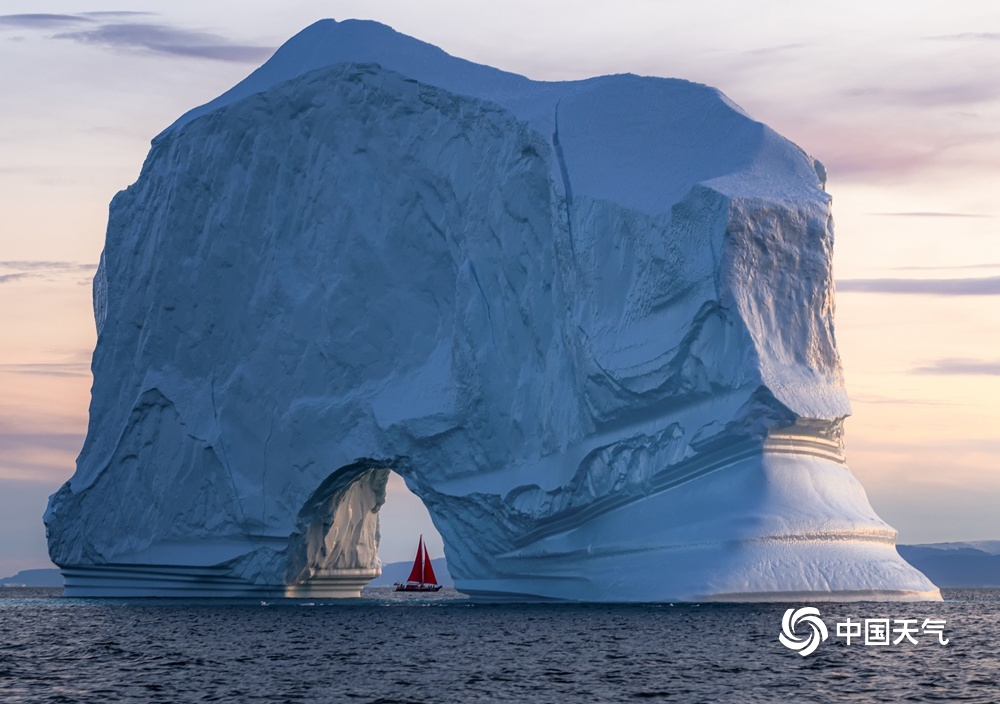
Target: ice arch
{"x": 331, "y": 551}
{"x": 590, "y": 322}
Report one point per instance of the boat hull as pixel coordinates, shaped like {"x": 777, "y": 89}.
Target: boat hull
{"x": 417, "y": 587}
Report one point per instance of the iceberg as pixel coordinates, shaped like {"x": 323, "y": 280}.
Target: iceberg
{"x": 590, "y": 323}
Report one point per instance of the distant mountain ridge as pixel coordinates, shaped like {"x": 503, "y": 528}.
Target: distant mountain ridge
{"x": 34, "y": 578}
{"x": 991, "y": 547}
{"x": 975, "y": 564}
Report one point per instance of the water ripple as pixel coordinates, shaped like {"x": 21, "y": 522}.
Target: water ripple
{"x": 445, "y": 649}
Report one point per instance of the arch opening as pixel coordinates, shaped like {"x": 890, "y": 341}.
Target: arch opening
{"x": 335, "y": 549}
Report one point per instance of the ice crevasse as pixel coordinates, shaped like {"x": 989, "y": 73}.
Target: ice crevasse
{"x": 590, "y": 323}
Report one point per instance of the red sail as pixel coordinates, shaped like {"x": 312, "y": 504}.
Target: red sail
{"x": 418, "y": 564}
{"x": 429, "y": 577}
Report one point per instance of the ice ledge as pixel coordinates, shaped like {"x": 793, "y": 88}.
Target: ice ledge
{"x": 833, "y": 597}
{"x": 143, "y": 581}
{"x": 496, "y": 592}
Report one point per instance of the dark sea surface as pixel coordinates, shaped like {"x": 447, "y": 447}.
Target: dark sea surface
{"x": 443, "y": 648}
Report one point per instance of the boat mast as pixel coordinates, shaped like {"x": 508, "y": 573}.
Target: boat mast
{"x": 423, "y": 559}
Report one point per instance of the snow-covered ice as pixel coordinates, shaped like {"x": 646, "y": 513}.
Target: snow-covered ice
{"x": 590, "y": 323}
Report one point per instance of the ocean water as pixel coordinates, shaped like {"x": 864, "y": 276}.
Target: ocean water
{"x": 443, "y": 648}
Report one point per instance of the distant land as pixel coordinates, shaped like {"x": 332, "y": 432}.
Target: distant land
{"x": 949, "y": 565}
{"x": 34, "y": 578}
{"x": 975, "y": 564}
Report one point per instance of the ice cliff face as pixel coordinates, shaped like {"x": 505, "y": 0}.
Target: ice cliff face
{"x": 590, "y": 323}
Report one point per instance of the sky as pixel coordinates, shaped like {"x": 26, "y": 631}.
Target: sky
{"x": 900, "y": 99}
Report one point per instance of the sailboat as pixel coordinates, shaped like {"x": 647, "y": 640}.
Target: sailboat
{"x": 421, "y": 577}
